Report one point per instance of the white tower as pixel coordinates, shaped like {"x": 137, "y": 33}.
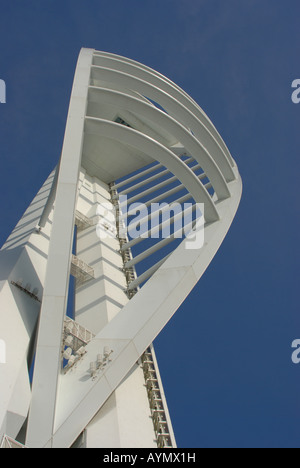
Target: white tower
{"x": 130, "y": 131}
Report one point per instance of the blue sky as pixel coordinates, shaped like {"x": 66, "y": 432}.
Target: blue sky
{"x": 225, "y": 357}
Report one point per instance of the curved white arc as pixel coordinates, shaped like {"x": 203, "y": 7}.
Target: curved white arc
{"x": 144, "y": 67}
{"x": 184, "y": 174}
{"x": 147, "y": 74}
{"x": 214, "y": 130}
{"x": 132, "y": 331}
{"x": 165, "y": 78}
{"x": 175, "y": 108}
{"x": 191, "y": 144}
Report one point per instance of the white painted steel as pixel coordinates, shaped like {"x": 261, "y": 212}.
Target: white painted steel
{"x": 109, "y": 406}
{"x": 46, "y": 372}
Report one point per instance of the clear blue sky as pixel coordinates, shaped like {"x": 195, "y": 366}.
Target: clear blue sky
{"x": 225, "y": 357}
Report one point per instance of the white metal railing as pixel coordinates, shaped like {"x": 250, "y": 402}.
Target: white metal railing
{"x": 79, "y": 332}
{"x": 74, "y": 340}
{"x": 81, "y": 270}
{"x": 82, "y": 222}
{"x": 158, "y": 413}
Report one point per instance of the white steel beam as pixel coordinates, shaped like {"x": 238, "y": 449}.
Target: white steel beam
{"x": 148, "y": 180}
{"x": 47, "y": 364}
{"x": 140, "y": 174}
{"x": 165, "y": 195}
{"x": 147, "y": 274}
{"x": 157, "y": 187}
